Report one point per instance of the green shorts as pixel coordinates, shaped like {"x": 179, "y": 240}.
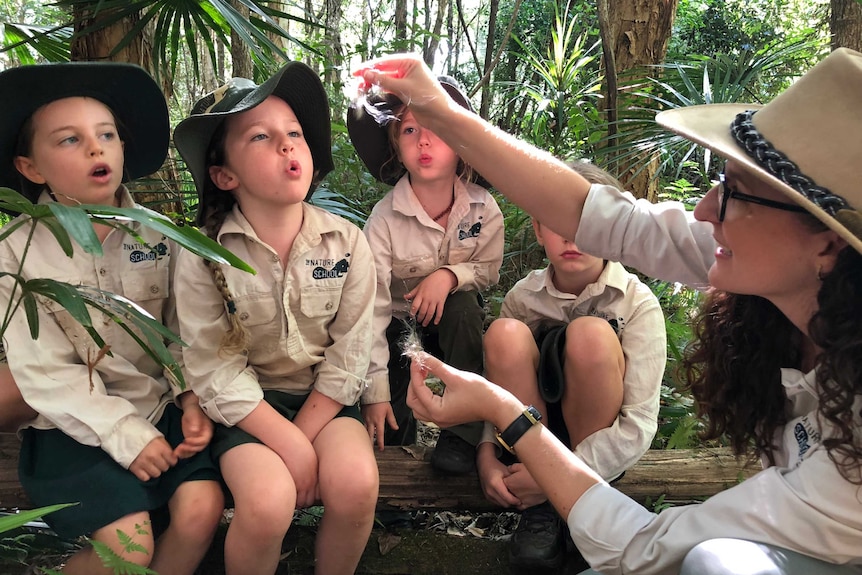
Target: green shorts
{"x": 54, "y": 468}
{"x": 287, "y": 404}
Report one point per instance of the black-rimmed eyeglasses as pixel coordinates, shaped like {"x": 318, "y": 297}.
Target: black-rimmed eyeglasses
{"x": 728, "y": 191}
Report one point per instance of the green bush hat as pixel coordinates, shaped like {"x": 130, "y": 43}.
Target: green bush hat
{"x": 807, "y": 142}
{"x": 295, "y": 83}
{"x": 133, "y": 96}
{"x": 368, "y": 130}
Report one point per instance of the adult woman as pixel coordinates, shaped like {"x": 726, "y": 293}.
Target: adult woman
{"x": 776, "y": 364}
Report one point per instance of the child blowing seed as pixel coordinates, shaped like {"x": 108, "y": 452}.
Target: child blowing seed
{"x": 279, "y": 359}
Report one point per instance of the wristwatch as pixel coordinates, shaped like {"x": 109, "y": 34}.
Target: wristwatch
{"x": 519, "y": 427}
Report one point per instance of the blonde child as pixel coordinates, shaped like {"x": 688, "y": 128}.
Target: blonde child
{"x": 584, "y": 342}
{"x": 437, "y": 240}
{"x": 279, "y": 359}
{"x": 114, "y": 434}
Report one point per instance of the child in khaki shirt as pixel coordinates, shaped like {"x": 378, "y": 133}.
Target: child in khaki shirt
{"x": 115, "y": 434}
{"x": 437, "y": 239}
{"x": 584, "y": 342}
{"x": 279, "y": 359}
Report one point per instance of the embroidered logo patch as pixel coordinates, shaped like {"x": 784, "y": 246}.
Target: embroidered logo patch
{"x": 322, "y": 269}
{"x": 143, "y": 253}
{"x": 472, "y": 232}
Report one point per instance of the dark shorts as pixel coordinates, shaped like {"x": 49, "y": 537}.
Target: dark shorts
{"x": 54, "y": 468}
{"x": 286, "y": 404}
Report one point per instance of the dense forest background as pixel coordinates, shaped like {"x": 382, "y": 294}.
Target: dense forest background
{"x": 581, "y": 78}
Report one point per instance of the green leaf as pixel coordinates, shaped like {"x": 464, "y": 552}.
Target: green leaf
{"x": 136, "y": 322}
{"x": 9, "y": 522}
{"x": 116, "y": 563}
{"x": 77, "y": 223}
{"x": 186, "y": 236}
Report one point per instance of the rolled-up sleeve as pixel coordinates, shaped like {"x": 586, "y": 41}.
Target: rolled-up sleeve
{"x": 227, "y": 387}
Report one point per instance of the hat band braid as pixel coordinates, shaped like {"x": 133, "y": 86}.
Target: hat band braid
{"x": 779, "y": 165}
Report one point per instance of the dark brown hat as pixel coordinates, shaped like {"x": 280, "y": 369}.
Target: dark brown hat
{"x": 129, "y": 91}
{"x": 368, "y": 130}
{"x": 295, "y": 83}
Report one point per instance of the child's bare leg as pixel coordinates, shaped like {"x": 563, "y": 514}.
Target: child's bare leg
{"x": 13, "y": 410}
{"x": 86, "y": 562}
{"x": 348, "y": 488}
{"x": 512, "y": 358}
{"x": 196, "y": 508}
{"x": 264, "y": 501}
{"x": 594, "y": 369}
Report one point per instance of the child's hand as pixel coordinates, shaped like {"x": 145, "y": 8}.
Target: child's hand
{"x": 197, "y": 429}
{"x": 429, "y": 297}
{"x": 521, "y": 483}
{"x": 156, "y": 458}
{"x": 301, "y": 461}
{"x": 376, "y": 416}
{"x": 492, "y": 475}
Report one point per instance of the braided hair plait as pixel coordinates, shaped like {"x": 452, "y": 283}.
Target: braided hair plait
{"x": 219, "y": 204}
{"x": 779, "y": 165}
{"x": 236, "y": 338}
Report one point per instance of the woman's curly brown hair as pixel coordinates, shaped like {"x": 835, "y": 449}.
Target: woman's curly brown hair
{"x": 741, "y": 342}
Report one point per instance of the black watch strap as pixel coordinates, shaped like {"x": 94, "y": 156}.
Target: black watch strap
{"x": 519, "y": 427}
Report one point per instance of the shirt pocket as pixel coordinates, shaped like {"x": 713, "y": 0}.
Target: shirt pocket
{"x": 414, "y": 268}
{"x": 319, "y": 301}
{"x": 461, "y": 255}
{"x": 255, "y": 309}
{"x": 70, "y": 326}
{"x": 148, "y": 288}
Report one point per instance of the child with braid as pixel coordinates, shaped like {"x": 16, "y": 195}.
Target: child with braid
{"x": 279, "y": 359}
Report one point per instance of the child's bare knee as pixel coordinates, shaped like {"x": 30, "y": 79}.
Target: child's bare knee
{"x": 507, "y": 339}
{"x": 591, "y": 339}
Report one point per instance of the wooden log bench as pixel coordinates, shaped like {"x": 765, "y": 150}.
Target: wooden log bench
{"x": 407, "y": 480}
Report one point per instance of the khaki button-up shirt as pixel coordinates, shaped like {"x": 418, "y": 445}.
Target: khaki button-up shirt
{"x": 114, "y": 404}
{"x": 635, "y": 314}
{"x": 408, "y": 246}
{"x": 309, "y": 322}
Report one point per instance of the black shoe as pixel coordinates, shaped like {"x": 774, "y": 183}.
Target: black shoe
{"x": 538, "y": 539}
{"x": 453, "y": 455}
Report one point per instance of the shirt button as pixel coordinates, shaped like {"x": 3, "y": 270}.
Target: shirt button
{"x": 154, "y": 289}
{"x": 243, "y": 316}
{"x": 412, "y": 270}
{"x": 102, "y": 271}
{"x": 328, "y": 305}
{"x": 275, "y": 259}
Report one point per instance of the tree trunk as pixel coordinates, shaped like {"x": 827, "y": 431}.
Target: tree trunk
{"x": 493, "y": 9}
{"x": 334, "y": 51}
{"x": 431, "y": 44}
{"x": 635, "y": 34}
{"x": 240, "y": 54}
{"x": 400, "y": 23}
{"x": 845, "y": 23}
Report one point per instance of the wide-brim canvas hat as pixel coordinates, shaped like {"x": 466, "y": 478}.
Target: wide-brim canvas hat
{"x": 295, "y": 83}
{"x": 133, "y": 96}
{"x": 369, "y": 132}
{"x": 807, "y": 142}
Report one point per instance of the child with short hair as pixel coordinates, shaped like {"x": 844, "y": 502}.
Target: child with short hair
{"x": 279, "y": 359}
{"x": 113, "y": 433}
{"x": 437, "y": 239}
{"x": 584, "y": 342}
